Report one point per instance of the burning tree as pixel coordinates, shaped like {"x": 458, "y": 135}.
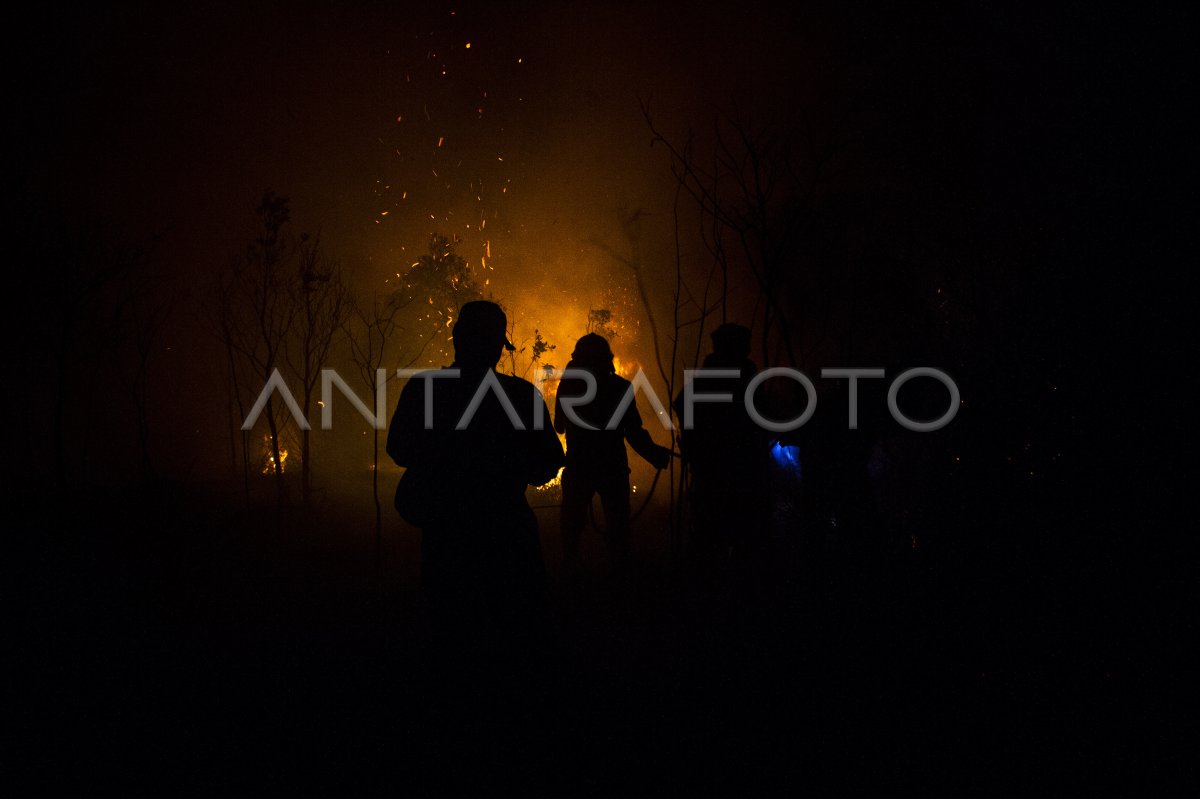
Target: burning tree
{"x": 600, "y": 323}
{"x": 527, "y": 358}
{"x": 431, "y": 292}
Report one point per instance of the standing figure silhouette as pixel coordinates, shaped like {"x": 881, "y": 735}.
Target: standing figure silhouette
{"x": 596, "y": 431}
{"x": 726, "y": 453}
{"x": 471, "y": 440}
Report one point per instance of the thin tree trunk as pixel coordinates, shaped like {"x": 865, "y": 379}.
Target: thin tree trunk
{"x": 378, "y": 507}
{"x": 305, "y": 466}
{"x": 273, "y": 428}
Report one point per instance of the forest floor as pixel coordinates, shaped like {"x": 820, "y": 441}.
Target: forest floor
{"x": 181, "y": 640}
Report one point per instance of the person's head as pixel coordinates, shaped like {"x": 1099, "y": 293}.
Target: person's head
{"x": 593, "y": 353}
{"x": 731, "y": 342}
{"x": 480, "y": 334}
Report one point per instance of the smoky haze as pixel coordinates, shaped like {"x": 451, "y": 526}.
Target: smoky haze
{"x": 528, "y": 138}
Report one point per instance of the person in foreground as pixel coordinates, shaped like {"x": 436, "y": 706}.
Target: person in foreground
{"x": 471, "y": 440}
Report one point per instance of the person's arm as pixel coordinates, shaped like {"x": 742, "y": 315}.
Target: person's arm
{"x": 546, "y": 452}
{"x": 406, "y": 439}
{"x": 639, "y": 438}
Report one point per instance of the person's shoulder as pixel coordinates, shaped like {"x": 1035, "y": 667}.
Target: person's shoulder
{"x": 615, "y": 380}
{"x": 515, "y": 385}
{"x": 416, "y": 380}
{"x": 511, "y": 380}
{"x": 422, "y": 374}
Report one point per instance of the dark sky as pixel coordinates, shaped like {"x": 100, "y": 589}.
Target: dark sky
{"x": 178, "y": 114}
{"x": 984, "y": 126}
{"x": 175, "y": 119}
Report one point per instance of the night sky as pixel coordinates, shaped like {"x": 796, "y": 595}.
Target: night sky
{"x": 381, "y": 125}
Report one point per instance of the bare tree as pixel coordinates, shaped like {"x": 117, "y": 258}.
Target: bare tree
{"x": 223, "y": 312}
{"x": 145, "y": 308}
{"x": 757, "y": 195}
{"x": 255, "y": 315}
{"x": 369, "y": 330}
{"x": 322, "y": 306}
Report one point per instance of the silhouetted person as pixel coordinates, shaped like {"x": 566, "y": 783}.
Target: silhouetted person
{"x": 469, "y": 456}
{"x": 726, "y": 452}
{"x": 596, "y": 458}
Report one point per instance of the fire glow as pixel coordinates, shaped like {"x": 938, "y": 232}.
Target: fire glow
{"x": 269, "y": 458}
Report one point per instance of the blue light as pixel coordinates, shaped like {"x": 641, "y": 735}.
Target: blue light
{"x": 787, "y": 458}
